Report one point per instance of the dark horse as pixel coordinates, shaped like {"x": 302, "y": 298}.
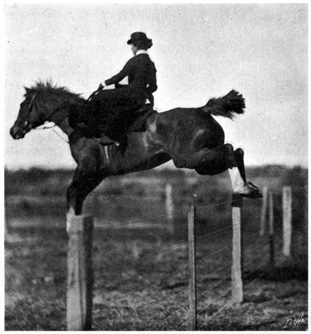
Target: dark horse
{"x": 191, "y": 137}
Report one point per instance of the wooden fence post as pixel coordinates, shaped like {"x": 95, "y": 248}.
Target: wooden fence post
{"x": 287, "y": 220}
{"x": 236, "y": 269}
{"x": 169, "y": 207}
{"x": 192, "y": 320}
{"x": 80, "y": 275}
{"x": 271, "y": 230}
{"x": 6, "y": 230}
{"x": 306, "y": 217}
{"x": 263, "y": 212}
{"x": 6, "y": 222}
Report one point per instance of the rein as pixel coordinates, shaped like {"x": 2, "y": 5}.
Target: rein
{"x": 32, "y": 102}
{"x": 53, "y": 126}
{"x": 52, "y": 114}
{"x": 100, "y": 87}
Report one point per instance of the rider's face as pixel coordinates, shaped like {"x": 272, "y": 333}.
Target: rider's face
{"x": 134, "y": 49}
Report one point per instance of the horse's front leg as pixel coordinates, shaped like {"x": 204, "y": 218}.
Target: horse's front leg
{"x": 84, "y": 181}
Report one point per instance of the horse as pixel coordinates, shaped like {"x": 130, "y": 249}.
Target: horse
{"x": 191, "y": 137}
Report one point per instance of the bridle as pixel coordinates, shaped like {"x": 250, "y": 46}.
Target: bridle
{"x": 28, "y": 112}
{"x": 32, "y": 102}
{"x": 26, "y": 124}
{"x": 29, "y": 109}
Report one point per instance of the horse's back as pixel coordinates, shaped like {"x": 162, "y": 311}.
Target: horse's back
{"x": 190, "y": 122}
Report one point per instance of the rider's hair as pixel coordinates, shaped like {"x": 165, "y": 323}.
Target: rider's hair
{"x": 143, "y": 44}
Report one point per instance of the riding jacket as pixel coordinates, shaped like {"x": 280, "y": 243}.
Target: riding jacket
{"x": 141, "y": 73}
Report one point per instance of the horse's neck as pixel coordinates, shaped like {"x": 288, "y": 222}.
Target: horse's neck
{"x": 60, "y": 115}
{"x": 65, "y": 127}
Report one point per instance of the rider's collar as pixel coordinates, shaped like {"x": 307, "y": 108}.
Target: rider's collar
{"x": 141, "y": 52}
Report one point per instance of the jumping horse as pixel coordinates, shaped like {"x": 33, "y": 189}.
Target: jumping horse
{"x": 191, "y": 137}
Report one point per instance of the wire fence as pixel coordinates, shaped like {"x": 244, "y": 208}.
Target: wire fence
{"x": 210, "y": 280}
{"x": 225, "y": 278}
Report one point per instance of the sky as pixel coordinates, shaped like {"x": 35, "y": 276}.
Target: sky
{"x": 200, "y": 51}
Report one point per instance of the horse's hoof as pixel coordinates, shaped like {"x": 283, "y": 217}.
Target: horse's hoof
{"x": 254, "y": 195}
{"x": 252, "y": 185}
{"x": 249, "y": 190}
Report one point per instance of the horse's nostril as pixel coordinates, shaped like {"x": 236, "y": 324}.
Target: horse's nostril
{"x": 14, "y": 132}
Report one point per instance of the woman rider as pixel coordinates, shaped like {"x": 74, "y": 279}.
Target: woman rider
{"x": 119, "y": 105}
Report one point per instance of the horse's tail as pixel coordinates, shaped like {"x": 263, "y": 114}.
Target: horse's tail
{"x": 226, "y": 106}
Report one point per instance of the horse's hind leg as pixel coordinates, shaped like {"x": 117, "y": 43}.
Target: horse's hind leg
{"x": 215, "y": 161}
{"x": 239, "y": 157}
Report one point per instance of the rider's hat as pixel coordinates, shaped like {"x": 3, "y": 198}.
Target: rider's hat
{"x": 140, "y": 37}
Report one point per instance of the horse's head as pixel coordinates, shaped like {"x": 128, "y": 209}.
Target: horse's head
{"x": 28, "y": 116}
{"x": 42, "y": 103}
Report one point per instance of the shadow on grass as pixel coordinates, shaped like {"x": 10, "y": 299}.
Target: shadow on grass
{"x": 280, "y": 274}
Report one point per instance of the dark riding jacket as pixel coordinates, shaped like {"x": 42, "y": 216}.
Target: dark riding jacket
{"x": 113, "y": 110}
{"x": 142, "y": 80}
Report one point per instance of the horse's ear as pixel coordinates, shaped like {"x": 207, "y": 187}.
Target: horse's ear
{"x": 27, "y": 89}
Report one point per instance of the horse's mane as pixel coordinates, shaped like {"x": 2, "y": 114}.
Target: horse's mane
{"x": 49, "y": 87}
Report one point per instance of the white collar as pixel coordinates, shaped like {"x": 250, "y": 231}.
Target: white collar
{"x": 141, "y": 52}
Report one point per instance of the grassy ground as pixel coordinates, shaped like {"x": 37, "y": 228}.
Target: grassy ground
{"x": 141, "y": 273}
{"x": 141, "y": 284}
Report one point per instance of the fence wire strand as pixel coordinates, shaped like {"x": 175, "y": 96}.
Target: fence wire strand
{"x": 225, "y": 292}
{"x": 174, "y": 247}
{"x": 230, "y": 302}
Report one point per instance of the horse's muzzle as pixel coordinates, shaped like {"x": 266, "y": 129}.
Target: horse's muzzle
{"x": 17, "y": 132}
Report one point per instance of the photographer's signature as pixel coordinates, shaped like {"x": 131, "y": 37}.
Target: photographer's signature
{"x": 297, "y": 320}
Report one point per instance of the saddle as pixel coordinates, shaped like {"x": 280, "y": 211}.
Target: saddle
{"x": 141, "y": 116}
{"x": 85, "y": 123}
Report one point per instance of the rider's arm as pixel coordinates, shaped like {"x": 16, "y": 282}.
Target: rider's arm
{"x": 120, "y": 76}
{"x": 152, "y": 82}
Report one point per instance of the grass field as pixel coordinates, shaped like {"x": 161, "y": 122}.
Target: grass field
{"x": 140, "y": 268}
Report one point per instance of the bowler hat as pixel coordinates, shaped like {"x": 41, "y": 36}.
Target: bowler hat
{"x": 138, "y": 36}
